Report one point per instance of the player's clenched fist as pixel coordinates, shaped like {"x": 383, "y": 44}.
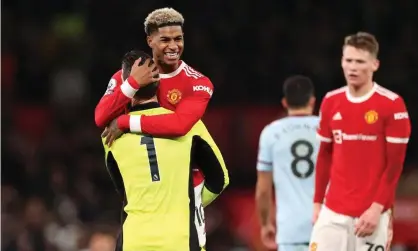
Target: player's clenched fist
{"x": 268, "y": 236}
{"x": 144, "y": 73}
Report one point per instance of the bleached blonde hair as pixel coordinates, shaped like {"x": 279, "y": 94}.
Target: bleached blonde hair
{"x": 162, "y": 17}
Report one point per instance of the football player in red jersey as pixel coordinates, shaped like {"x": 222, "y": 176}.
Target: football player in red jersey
{"x": 182, "y": 89}
{"x": 364, "y": 129}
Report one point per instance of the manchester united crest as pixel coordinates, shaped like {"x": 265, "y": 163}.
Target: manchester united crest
{"x": 371, "y": 117}
{"x": 313, "y": 246}
{"x": 174, "y": 96}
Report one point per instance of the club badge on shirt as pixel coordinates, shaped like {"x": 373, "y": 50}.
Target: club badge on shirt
{"x": 371, "y": 117}
{"x": 174, "y": 96}
{"x": 313, "y": 246}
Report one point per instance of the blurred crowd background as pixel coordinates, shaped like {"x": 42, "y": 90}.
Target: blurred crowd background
{"x": 57, "y": 57}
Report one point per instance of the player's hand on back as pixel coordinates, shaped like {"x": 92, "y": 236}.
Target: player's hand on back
{"x": 145, "y": 74}
{"x": 316, "y": 211}
{"x": 268, "y": 236}
{"x": 111, "y": 132}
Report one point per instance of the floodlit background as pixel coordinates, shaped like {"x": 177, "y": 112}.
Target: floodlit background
{"x": 58, "y": 56}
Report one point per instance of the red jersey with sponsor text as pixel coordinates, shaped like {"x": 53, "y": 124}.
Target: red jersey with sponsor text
{"x": 360, "y": 130}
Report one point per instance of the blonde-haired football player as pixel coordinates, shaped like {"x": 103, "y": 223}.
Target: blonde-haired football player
{"x": 154, "y": 177}
{"x": 164, "y": 29}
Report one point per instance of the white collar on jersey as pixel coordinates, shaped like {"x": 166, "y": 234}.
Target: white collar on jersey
{"x": 174, "y": 73}
{"x": 363, "y": 98}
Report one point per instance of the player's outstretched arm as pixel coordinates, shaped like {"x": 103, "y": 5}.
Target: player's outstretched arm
{"x": 179, "y": 123}
{"x": 397, "y": 131}
{"x": 118, "y": 94}
{"x": 210, "y": 161}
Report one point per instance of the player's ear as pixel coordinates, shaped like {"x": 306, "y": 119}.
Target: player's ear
{"x": 284, "y": 103}
{"x": 312, "y": 101}
{"x": 376, "y": 64}
{"x": 149, "y": 41}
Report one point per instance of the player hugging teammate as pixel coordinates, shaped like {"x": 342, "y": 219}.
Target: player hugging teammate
{"x": 181, "y": 89}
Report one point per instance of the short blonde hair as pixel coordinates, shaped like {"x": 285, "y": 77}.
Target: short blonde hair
{"x": 162, "y": 17}
{"x": 363, "y": 40}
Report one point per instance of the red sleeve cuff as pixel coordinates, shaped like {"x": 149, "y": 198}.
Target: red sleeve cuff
{"x": 381, "y": 197}
{"x": 123, "y": 122}
{"x": 318, "y": 199}
{"x": 133, "y": 82}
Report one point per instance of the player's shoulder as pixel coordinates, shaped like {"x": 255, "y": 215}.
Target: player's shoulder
{"x": 191, "y": 73}
{"x": 197, "y": 82}
{"x": 275, "y": 125}
{"x": 291, "y": 120}
{"x": 337, "y": 93}
{"x": 114, "y": 81}
{"x": 197, "y": 128}
{"x": 386, "y": 94}
{"x": 117, "y": 77}
{"x": 195, "y": 76}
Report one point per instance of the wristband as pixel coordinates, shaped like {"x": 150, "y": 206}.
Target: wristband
{"x": 135, "y": 123}
{"x": 129, "y": 87}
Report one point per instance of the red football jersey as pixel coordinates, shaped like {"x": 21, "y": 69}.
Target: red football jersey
{"x": 367, "y": 138}
{"x": 183, "y": 87}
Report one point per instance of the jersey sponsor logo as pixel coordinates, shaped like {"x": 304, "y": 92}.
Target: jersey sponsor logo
{"x": 174, "y": 96}
{"x": 337, "y": 116}
{"x": 197, "y": 88}
{"x": 339, "y": 137}
{"x": 110, "y": 87}
{"x": 401, "y": 115}
{"x": 371, "y": 117}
